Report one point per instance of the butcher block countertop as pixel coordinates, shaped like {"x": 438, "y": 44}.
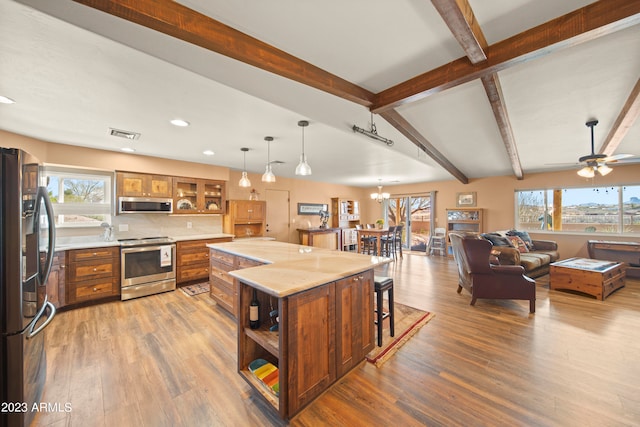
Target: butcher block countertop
{"x": 292, "y": 268}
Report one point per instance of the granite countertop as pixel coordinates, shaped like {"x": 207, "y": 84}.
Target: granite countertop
{"x": 294, "y": 268}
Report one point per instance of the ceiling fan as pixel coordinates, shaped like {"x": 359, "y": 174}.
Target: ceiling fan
{"x": 596, "y": 164}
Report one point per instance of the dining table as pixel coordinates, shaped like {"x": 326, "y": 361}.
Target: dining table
{"x": 376, "y": 233}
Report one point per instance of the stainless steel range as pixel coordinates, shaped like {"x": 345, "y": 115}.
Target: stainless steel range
{"x": 148, "y": 266}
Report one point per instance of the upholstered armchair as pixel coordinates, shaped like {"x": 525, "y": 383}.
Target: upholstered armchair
{"x": 484, "y": 280}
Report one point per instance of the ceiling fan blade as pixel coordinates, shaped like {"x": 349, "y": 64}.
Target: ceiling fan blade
{"x": 625, "y": 160}
{"x": 616, "y": 157}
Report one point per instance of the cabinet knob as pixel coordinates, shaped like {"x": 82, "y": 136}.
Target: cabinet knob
{"x": 95, "y": 269}
{"x": 95, "y": 289}
{"x": 95, "y": 254}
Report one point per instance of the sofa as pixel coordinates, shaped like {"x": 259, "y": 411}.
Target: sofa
{"x": 535, "y": 256}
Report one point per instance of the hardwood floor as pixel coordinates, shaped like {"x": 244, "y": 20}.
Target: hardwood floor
{"x": 170, "y": 360}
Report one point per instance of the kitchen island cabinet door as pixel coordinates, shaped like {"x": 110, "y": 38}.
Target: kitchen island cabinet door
{"x": 311, "y": 359}
{"x": 354, "y": 319}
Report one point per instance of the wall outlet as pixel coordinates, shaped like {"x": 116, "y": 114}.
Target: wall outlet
{"x": 189, "y": 224}
{"x": 123, "y": 227}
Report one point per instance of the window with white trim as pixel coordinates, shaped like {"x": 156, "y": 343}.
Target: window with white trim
{"x": 80, "y": 197}
{"x": 606, "y": 210}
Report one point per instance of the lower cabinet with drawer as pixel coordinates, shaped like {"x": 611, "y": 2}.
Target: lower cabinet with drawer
{"x": 223, "y": 287}
{"x": 92, "y": 274}
{"x": 193, "y": 259}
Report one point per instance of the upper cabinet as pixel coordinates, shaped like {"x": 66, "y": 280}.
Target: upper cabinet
{"x": 464, "y": 220}
{"x": 198, "y": 196}
{"x": 130, "y": 184}
{"x": 345, "y": 213}
{"x": 245, "y": 218}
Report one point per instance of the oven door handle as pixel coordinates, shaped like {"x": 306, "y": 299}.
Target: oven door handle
{"x": 145, "y": 248}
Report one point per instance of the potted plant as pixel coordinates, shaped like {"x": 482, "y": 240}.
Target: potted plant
{"x": 380, "y": 223}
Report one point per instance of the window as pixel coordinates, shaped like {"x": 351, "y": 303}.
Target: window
{"x": 607, "y": 210}
{"x": 80, "y": 197}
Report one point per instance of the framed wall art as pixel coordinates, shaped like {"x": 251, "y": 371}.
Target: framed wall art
{"x": 311, "y": 208}
{"x": 466, "y": 200}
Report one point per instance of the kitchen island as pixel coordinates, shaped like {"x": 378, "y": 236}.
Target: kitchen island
{"x": 325, "y": 316}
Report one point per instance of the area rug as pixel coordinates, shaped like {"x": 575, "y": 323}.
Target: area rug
{"x": 198, "y": 288}
{"x": 408, "y": 321}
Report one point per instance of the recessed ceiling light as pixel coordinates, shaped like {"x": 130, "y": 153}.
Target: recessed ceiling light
{"x": 180, "y": 123}
{"x": 128, "y": 149}
{"x": 6, "y": 100}
{"x": 208, "y": 153}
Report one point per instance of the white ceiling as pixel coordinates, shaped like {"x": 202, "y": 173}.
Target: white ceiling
{"x": 75, "y": 72}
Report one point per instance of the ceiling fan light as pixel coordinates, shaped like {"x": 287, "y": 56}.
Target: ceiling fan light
{"x": 587, "y": 172}
{"x": 303, "y": 167}
{"x": 604, "y": 170}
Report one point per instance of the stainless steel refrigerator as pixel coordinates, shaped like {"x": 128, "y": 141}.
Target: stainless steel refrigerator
{"x": 27, "y": 236}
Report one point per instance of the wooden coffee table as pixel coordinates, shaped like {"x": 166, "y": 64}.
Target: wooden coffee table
{"x": 590, "y": 276}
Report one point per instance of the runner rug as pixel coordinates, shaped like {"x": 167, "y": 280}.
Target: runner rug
{"x": 198, "y": 288}
{"x": 408, "y": 321}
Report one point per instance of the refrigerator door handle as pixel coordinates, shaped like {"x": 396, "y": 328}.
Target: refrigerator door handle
{"x": 52, "y": 313}
{"x": 42, "y": 195}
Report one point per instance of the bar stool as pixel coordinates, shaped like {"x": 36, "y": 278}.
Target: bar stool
{"x": 382, "y": 284}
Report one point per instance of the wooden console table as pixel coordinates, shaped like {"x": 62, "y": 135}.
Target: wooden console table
{"x": 628, "y": 252}
{"x": 327, "y": 238}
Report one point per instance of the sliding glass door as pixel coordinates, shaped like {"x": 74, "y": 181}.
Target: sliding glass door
{"x": 414, "y": 212}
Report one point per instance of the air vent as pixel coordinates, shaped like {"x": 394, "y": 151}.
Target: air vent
{"x": 124, "y": 134}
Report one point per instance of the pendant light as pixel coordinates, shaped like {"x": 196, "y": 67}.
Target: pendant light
{"x": 244, "y": 181}
{"x": 303, "y": 167}
{"x": 268, "y": 175}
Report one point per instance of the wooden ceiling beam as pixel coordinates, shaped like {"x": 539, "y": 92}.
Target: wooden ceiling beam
{"x": 459, "y": 17}
{"x": 404, "y": 127}
{"x": 173, "y": 19}
{"x": 462, "y": 23}
{"x": 493, "y": 89}
{"x": 176, "y": 20}
{"x": 590, "y": 22}
{"x": 629, "y": 114}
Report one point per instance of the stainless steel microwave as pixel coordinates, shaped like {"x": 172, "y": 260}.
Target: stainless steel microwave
{"x": 144, "y": 205}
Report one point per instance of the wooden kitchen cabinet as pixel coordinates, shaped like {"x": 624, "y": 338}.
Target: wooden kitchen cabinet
{"x": 55, "y": 286}
{"x": 193, "y": 259}
{"x": 222, "y": 287}
{"x": 323, "y": 333}
{"x": 354, "y": 320}
{"x": 345, "y": 213}
{"x": 92, "y": 274}
{"x": 132, "y": 184}
{"x": 245, "y": 218}
{"x": 198, "y": 196}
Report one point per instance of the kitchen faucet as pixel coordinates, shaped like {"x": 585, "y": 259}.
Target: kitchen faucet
{"x": 107, "y": 235}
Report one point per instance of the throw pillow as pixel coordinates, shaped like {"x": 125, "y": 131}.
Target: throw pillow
{"x": 496, "y": 239}
{"x": 524, "y": 236}
{"x": 518, "y": 243}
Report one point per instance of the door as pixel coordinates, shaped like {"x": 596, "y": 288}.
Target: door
{"x": 415, "y": 212}
{"x": 278, "y": 224}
